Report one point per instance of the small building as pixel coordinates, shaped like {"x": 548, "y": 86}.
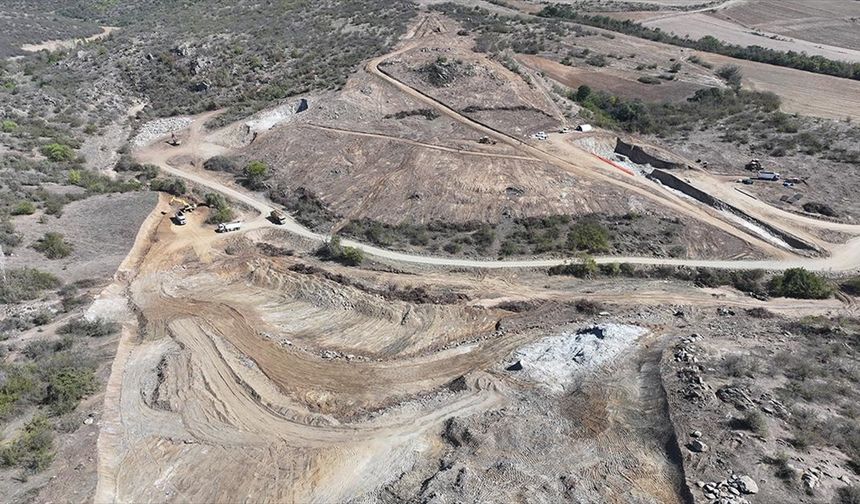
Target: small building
{"x": 585, "y": 128}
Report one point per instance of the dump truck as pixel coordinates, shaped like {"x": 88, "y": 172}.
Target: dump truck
{"x": 768, "y": 175}
{"x": 278, "y": 217}
{"x": 230, "y": 226}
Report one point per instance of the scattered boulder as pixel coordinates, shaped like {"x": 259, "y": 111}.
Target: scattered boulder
{"x": 516, "y": 366}
{"x": 698, "y": 446}
{"x": 746, "y": 485}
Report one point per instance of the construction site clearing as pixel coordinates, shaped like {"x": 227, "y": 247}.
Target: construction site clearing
{"x": 262, "y": 355}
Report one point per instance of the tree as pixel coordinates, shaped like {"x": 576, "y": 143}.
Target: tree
{"x": 801, "y": 284}
{"x": 588, "y": 236}
{"x": 256, "y": 172}
{"x": 582, "y": 93}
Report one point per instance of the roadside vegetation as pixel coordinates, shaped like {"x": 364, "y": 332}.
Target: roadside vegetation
{"x": 557, "y": 235}
{"x": 333, "y": 250}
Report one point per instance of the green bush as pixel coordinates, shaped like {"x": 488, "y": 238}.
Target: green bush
{"x": 255, "y": 174}
{"x": 333, "y": 250}
{"x": 26, "y": 284}
{"x": 588, "y": 236}
{"x": 24, "y": 208}
{"x": 33, "y": 449}
{"x": 53, "y": 246}
{"x": 67, "y": 387}
{"x": 8, "y": 126}
{"x": 585, "y": 268}
{"x": 220, "y": 210}
{"x": 801, "y": 284}
{"x": 58, "y": 152}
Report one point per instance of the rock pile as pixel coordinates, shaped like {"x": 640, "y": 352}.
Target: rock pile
{"x": 730, "y": 491}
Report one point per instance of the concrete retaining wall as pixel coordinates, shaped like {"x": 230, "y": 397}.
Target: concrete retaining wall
{"x": 638, "y": 155}
{"x": 669, "y": 180}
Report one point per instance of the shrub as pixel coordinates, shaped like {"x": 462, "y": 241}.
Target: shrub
{"x": 24, "y": 208}
{"x": 221, "y": 163}
{"x": 851, "y": 286}
{"x": 33, "y": 449}
{"x": 53, "y": 246}
{"x": 8, "y": 126}
{"x": 58, "y": 152}
{"x": 847, "y": 495}
{"x": 9, "y": 238}
{"x": 172, "y": 186}
{"x": 755, "y": 422}
{"x": 26, "y": 284}
{"x": 731, "y": 74}
{"x": 221, "y": 211}
{"x": 647, "y": 79}
{"x": 90, "y": 328}
{"x": 333, "y": 250}
{"x": 585, "y": 268}
{"x": 801, "y": 284}
{"x": 588, "y": 307}
{"x": 610, "y": 269}
{"x": 67, "y": 387}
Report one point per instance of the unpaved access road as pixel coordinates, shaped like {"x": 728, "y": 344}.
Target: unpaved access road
{"x": 844, "y": 258}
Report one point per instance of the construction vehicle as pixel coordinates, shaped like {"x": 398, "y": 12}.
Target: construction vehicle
{"x": 230, "y": 226}
{"x": 753, "y": 165}
{"x": 768, "y": 175}
{"x": 278, "y": 217}
{"x": 186, "y": 205}
{"x": 175, "y": 142}
{"x": 180, "y": 219}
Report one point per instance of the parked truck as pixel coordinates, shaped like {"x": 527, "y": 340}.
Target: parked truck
{"x": 278, "y": 217}
{"x": 768, "y": 175}
{"x": 180, "y": 219}
{"x": 230, "y": 226}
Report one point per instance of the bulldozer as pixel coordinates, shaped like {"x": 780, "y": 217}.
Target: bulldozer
{"x": 175, "y": 142}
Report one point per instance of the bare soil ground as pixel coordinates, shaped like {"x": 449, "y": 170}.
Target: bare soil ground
{"x": 370, "y": 397}
{"x": 100, "y": 229}
{"x": 723, "y": 26}
{"x": 615, "y": 81}
{"x": 826, "y": 22}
